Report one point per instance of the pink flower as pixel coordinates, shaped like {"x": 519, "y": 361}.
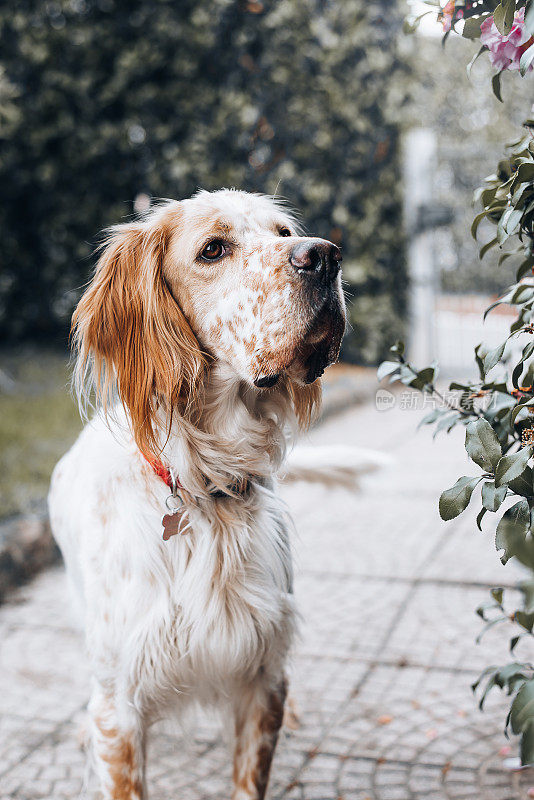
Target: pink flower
{"x": 505, "y": 51}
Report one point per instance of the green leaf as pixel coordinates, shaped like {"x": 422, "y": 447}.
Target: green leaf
{"x": 456, "y": 499}
{"x": 455, "y": 385}
{"x": 511, "y": 466}
{"x": 524, "y": 268}
{"x": 523, "y": 484}
{"x": 527, "y": 744}
{"x": 476, "y": 222}
{"x": 501, "y": 402}
{"x": 398, "y": 348}
{"x": 522, "y": 192}
{"x": 525, "y": 172}
{"x": 525, "y": 620}
{"x": 520, "y": 406}
{"x": 492, "y": 498}
{"x": 512, "y": 530}
{"x": 472, "y": 28}
{"x": 478, "y": 359}
{"x": 482, "y": 444}
{"x": 497, "y": 595}
{"x": 522, "y": 711}
{"x": 387, "y": 368}
{"x": 506, "y": 298}
{"x": 524, "y": 317}
{"x": 518, "y": 369}
{"x": 521, "y": 294}
{"x": 406, "y": 374}
{"x": 475, "y": 57}
{"x": 526, "y": 60}
{"x": 493, "y": 357}
{"x": 496, "y": 86}
{"x": 487, "y": 247}
{"x": 509, "y": 676}
{"x": 529, "y": 20}
{"x": 512, "y": 221}
{"x": 423, "y": 378}
{"x": 502, "y": 230}
{"x": 503, "y": 16}
{"x": 498, "y": 18}
{"x": 528, "y": 377}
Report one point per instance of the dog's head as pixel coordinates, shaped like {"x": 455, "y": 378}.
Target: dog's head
{"x": 224, "y": 276}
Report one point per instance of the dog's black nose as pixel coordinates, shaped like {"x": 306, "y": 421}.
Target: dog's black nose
{"x": 317, "y": 256}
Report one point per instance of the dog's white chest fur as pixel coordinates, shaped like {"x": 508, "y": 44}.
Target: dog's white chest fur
{"x": 229, "y": 604}
{"x": 190, "y": 616}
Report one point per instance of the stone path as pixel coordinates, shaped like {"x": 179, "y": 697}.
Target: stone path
{"x": 381, "y": 675}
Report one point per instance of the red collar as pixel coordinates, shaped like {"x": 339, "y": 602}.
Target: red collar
{"x": 163, "y": 472}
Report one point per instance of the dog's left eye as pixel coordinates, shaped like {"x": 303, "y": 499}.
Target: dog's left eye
{"x": 213, "y": 250}
{"x": 284, "y": 232}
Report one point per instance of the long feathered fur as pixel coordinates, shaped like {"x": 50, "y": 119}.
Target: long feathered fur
{"x": 207, "y": 617}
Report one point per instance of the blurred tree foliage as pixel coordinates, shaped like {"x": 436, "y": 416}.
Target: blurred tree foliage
{"x": 105, "y": 101}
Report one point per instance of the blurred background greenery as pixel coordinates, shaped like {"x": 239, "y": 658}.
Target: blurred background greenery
{"x": 106, "y": 104}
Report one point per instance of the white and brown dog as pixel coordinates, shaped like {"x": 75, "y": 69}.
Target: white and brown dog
{"x": 203, "y": 332}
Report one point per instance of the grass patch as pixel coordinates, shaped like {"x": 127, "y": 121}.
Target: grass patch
{"x": 39, "y": 420}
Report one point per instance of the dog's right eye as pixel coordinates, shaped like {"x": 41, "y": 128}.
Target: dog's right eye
{"x": 213, "y": 250}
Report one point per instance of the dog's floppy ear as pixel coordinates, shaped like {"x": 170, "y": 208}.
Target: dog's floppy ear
{"x": 130, "y": 333}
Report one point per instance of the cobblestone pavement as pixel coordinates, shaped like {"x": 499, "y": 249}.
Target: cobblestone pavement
{"x": 381, "y": 675}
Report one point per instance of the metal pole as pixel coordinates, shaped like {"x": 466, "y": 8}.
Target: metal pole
{"x": 419, "y": 163}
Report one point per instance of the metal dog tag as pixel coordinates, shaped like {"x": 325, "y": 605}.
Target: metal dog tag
{"x": 175, "y": 523}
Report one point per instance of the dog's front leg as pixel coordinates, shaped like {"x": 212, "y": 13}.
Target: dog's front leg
{"x": 259, "y": 710}
{"x": 117, "y": 746}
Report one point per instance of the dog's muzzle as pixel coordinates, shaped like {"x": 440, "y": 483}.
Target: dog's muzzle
{"x": 318, "y": 263}
{"x": 322, "y": 346}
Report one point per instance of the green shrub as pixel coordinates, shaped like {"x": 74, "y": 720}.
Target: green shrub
{"x": 103, "y": 101}
{"x": 497, "y": 411}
